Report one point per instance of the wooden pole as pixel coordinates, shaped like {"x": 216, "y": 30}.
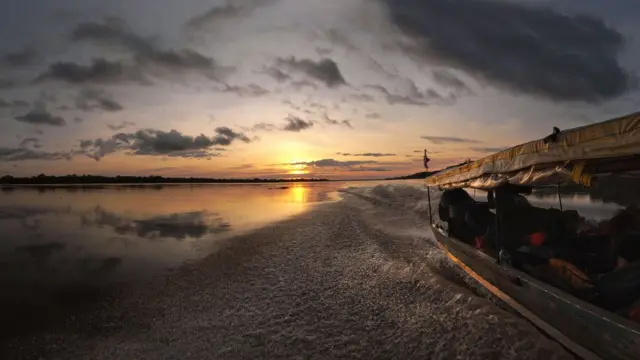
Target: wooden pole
{"x": 429, "y": 199}
{"x": 560, "y": 197}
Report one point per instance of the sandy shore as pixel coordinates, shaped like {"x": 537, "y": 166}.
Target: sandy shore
{"x": 346, "y": 280}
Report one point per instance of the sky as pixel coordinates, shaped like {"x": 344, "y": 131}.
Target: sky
{"x": 340, "y": 89}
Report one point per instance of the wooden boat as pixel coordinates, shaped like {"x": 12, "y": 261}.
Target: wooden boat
{"x": 585, "y": 156}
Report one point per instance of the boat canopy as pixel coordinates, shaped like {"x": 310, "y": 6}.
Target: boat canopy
{"x": 574, "y": 156}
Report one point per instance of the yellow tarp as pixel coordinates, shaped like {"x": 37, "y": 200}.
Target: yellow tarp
{"x": 609, "y": 139}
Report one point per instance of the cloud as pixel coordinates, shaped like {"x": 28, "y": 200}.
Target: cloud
{"x": 296, "y": 124}
{"x": 449, "y": 80}
{"x": 231, "y": 10}
{"x": 243, "y": 167}
{"x": 151, "y": 142}
{"x": 30, "y": 142}
{"x": 7, "y": 83}
{"x": 251, "y": 90}
{"x": 330, "y": 121}
{"x": 413, "y": 96}
{"x": 225, "y": 136}
{"x": 25, "y": 57}
{"x": 277, "y": 74}
{"x": 41, "y": 117}
{"x": 325, "y": 70}
{"x": 332, "y": 163}
{"x": 115, "y": 32}
{"x": 301, "y": 84}
{"x": 23, "y": 153}
{"x": 100, "y": 71}
{"x": 263, "y": 127}
{"x": 86, "y": 144}
{"x": 121, "y": 125}
{"x": 373, "y": 169}
{"x": 361, "y": 98}
{"x": 4, "y": 104}
{"x": 171, "y": 143}
{"x": 488, "y": 149}
{"x": 90, "y": 99}
{"x": 449, "y": 139}
{"x": 528, "y": 49}
{"x": 372, "y": 115}
{"x": 369, "y": 154}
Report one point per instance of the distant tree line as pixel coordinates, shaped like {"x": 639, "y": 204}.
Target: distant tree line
{"x": 93, "y": 179}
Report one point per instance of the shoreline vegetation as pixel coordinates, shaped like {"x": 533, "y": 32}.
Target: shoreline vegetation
{"x": 94, "y": 179}
{"x": 74, "y": 179}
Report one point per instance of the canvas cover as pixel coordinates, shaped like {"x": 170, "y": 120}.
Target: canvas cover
{"x": 575, "y": 155}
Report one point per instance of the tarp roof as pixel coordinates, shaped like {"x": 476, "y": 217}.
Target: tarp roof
{"x": 570, "y": 155}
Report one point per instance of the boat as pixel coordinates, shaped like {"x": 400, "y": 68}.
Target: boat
{"x": 583, "y": 156}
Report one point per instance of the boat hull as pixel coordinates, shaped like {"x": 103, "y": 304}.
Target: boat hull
{"x": 584, "y": 329}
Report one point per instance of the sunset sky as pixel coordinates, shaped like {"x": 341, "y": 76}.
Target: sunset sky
{"x": 287, "y": 88}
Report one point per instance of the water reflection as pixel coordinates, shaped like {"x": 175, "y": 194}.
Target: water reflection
{"x": 63, "y": 245}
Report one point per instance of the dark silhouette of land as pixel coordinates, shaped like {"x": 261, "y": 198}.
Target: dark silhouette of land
{"x": 424, "y": 174}
{"x": 93, "y": 179}
{"x": 419, "y": 175}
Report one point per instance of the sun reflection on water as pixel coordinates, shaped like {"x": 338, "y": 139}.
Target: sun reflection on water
{"x": 298, "y": 194}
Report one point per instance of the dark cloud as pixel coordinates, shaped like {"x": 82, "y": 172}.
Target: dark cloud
{"x": 326, "y": 70}
{"x": 323, "y": 51}
{"x": 31, "y": 142}
{"x": 25, "y": 57}
{"x": 449, "y": 139}
{"x": 332, "y": 163}
{"x": 449, "y": 80}
{"x": 99, "y": 71}
{"x": 525, "y": 48}
{"x": 163, "y": 143}
{"x": 243, "y": 167}
{"x": 361, "y": 98}
{"x": 121, "y": 125}
{"x": 4, "y": 104}
{"x": 92, "y": 99}
{"x": 263, "y": 127}
{"x": 369, "y": 154}
{"x": 86, "y": 144}
{"x": 296, "y": 124}
{"x": 277, "y": 74}
{"x": 413, "y": 96}
{"x": 293, "y": 106}
{"x": 7, "y": 83}
{"x": 373, "y": 169}
{"x": 301, "y": 84}
{"x": 146, "y": 53}
{"x": 488, "y": 149}
{"x": 372, "y": 115}
{"x": 225, "y": 136}
{"x": 330, "y": 121}
{"x": 41, "y": 117}
{"x": 251, "y": 90}
{"x": 23, "y": 153}
{"x": 230, "y": 10}
{"x": 171, "y": 143}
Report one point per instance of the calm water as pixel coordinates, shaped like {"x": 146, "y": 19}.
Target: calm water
{"x": 116, "y": 233}
{"x": 63, "y": 247}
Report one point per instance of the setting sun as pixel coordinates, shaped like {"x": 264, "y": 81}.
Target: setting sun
{"x": 298, "y": 172}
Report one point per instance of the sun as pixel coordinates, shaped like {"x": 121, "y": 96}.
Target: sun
{"x": 298, "y": 172}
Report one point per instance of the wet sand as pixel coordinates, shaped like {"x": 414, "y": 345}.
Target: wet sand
{"x": 352, "y": 279}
